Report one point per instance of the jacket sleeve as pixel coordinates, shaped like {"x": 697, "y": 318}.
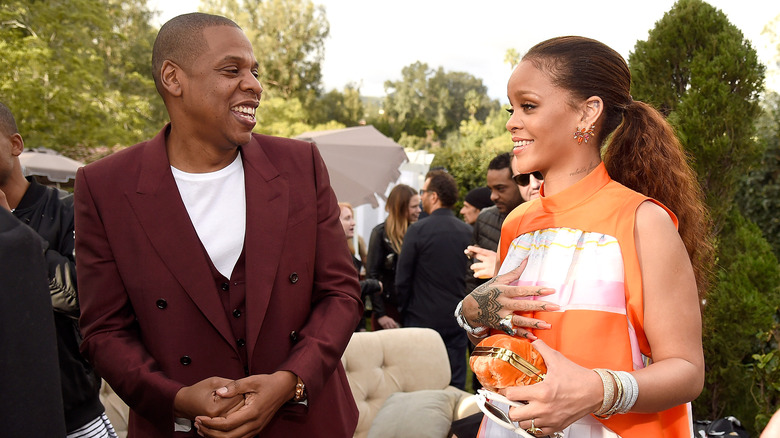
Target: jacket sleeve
{"x": 336, "y": 307}
{"x": 404, "y": 271}
{"x": 59, "y": 254}
{"x": 375, "y": 255}
{"x": 61, "y": 263}
{"x": 374, "y": 264}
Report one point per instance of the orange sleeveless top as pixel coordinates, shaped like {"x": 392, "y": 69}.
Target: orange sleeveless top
{"x": 581, "y": 243}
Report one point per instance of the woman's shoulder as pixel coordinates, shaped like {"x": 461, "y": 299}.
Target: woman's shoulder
{"x": 379, "y": 228}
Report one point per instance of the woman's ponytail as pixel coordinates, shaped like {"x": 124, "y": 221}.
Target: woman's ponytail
{"x": 645, "y": 155}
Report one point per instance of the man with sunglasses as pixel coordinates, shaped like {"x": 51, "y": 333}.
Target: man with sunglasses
{"x": 529, "y": 184}
{"x": 507, "y": 194}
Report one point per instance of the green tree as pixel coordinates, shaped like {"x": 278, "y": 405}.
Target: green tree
{"x": 467, "y": 153}
{"x": 343, "y": 107}
{"x": 288, "y": 37}
{"x": 71, "y": 76}
{"x": 759, "y": 194}
{"x": 432, "y": 103}
{"x": 284, "y": 118}
{"x": 701, "y": 72}
{"x": 741, "y": 329}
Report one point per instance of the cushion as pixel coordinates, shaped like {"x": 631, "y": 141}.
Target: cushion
{"x": 425, "y": 413}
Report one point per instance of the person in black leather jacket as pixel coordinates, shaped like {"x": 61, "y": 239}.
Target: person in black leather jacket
{"x": 49, "y": 212}
{"x": 384, "y": 245}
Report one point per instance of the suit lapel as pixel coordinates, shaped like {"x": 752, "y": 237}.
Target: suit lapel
{"x": 161, "y": 212}
{"x": 267, "y": 199}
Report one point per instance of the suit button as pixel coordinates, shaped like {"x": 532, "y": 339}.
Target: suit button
{"x": 294, "y": 277}
{"x": 161, "y": 303}
{"x": 185, "y": 360}
{"x": 241, "y": 342}
{"x": 294, "y": 336}
{"x": 236, "y": 313}
{"x": 225, "y": 286}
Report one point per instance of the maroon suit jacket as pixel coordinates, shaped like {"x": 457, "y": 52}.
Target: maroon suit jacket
{"x": 151, "y": 315}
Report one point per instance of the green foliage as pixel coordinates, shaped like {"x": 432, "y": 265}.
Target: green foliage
{"x": 698, "y": 69}
{"x": 741, "y": 329}
{"x": 466, "y": 154}
{"x": 288, "y": 37}
{"x": 343, "y": 107}
{"x": 283, "y": 118}
{"x": 75, "y": 73}
{"x": 759, "y": 193}
{"x": 426, "y": 100}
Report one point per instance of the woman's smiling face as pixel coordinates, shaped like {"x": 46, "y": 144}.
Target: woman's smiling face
{"x": 542, "y": 120}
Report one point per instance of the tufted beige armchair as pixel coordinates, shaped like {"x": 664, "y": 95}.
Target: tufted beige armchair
{"x": 405, "y": 360}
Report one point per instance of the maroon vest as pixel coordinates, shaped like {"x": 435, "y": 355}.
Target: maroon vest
{"x": 232, "y": 294}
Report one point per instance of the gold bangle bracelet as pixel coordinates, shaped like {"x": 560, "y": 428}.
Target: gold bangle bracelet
{"x": 609, "y": 393}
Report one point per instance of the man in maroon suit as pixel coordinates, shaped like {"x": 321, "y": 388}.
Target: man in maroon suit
{"x": 216, "y": 288}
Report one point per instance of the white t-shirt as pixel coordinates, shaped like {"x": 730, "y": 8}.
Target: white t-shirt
{"x": 216, "y": 204}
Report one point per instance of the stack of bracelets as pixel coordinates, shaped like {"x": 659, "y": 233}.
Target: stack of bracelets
{"x": 620, "y": 392}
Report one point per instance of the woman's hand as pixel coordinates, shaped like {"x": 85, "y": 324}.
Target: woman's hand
{"x": 489, "y": 303}
{"x": 568, "y": 393}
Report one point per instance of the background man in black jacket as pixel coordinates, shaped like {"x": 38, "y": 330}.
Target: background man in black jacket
{"x": 49, "y": 212}
{"x": 28, "y": 359}
{"x": 431, "y": 272}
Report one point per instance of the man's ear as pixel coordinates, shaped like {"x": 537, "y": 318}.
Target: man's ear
{"x": 591, "y": 110}
{"x": 17, "y": 144}
{"x": 170, "y": 77}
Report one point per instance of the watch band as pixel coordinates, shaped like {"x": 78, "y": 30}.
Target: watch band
{"x": 300, "y": 391}
{"x": 478, "y": 332}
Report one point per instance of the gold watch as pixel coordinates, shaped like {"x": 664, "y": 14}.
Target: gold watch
{"x": 300, "y": 391}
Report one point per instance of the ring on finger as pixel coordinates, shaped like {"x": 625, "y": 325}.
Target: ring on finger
{"x": 533, "y": 430}
{"x": 506, "y": 324}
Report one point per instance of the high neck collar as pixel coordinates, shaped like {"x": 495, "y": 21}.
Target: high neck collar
{"x": 577, "y": 193}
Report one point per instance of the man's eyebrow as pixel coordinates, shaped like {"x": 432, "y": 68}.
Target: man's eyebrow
{"x": 238, "y": 59}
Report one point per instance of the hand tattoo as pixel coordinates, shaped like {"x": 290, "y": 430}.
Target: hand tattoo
{"x": 486, "y": 296}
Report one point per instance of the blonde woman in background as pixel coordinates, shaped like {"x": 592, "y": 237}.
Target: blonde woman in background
{"x": 368, "y": 286}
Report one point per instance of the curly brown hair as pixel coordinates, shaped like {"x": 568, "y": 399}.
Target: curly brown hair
{"x": 642, "y": 144}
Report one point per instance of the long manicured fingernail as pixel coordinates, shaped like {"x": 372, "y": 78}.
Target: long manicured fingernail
{"x": 549, "y": 307}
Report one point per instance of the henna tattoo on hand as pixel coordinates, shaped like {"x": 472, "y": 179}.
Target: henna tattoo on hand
{"x": 486, "y": 296}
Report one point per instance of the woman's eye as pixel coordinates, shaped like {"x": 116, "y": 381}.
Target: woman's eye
{"x": 528, "y": 106}
{"x": 510, "y": 111}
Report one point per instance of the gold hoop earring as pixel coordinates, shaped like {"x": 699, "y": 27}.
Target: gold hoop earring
{"x": 582, "y": 134}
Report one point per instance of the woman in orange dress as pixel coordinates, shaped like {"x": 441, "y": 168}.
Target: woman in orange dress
{"x": 601, "y": 271}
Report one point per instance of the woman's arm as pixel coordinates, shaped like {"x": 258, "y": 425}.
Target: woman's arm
{"x": 672, "y": 314}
